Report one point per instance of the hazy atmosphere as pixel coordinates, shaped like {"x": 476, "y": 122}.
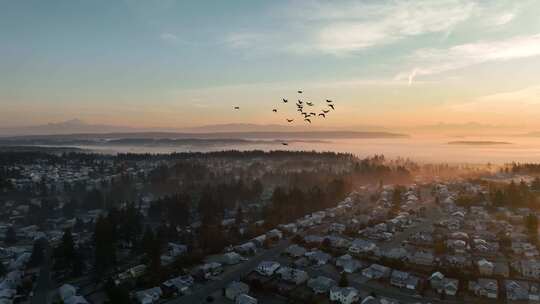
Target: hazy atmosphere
{"x": 269, "y": 152}
{"x": 176, "y": 64}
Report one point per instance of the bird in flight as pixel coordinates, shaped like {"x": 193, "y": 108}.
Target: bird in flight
{"x": 325, "y": 111}
{"x": 274, "y": 110}
{"x": 285, "y": 100}
{"x": 290, "y": 120}
{"x": 328, "y": 100}
{"x": 331, "y": 106}
{"x": 309, "y": 104}
{"x": 300, "y": 91}
{"x": 307, "y": 120}
{"x": 237, "y": 108}
{"x": 285, "y": 144}
{"x": 300, "y": 101}
{"x": 322, "y": 114}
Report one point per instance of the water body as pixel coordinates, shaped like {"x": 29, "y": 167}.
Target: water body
{"x": 420, "y": 149}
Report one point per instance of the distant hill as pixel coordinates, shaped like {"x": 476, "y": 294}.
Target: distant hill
{"x": 479, "y": 143}
{"x": 174, "y": 138}
{"x": 77, "y": 126}
{"x": 67, "y": 127}
{"x": 530, "y": 134}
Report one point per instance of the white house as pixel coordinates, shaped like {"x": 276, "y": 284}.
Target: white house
{"x": 148, "y": 296}
{"x": 234, "y": 289}
{"x": 344, "y": 295}
{"x": 67, "y": 291}
{"x": 267, "y": 268}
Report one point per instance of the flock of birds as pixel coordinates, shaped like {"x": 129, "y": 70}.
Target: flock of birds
{"x": 305, "y": 109}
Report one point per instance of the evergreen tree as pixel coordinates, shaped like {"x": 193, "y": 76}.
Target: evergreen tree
{"x": 11, "y": 236}
{"x": 343, "y": 280}
{"x": 38, "y": 253}
{"x": 535, "y": 185}
{"x": 105, "y": 245}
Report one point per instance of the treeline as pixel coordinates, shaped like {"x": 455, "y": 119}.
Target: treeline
{"x": 513, "y": 195}
{"x": 290, "y": 204}
{"x": 235, "y": 154}
{"x": 375, "y": 169}
{"x": 526, "y": 168}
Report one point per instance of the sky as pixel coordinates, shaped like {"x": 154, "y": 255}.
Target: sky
{"x": 165, "y": 63}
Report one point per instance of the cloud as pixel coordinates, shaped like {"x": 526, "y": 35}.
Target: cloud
{"x": 168, "y": 37}
{"x": 435, "y": 61}
{"x": 361, "y": 26}
{"x": 348, "y": 27}
{"x": 524, "y": 100}
{"x": 243, "y": 40}
{"x": 504, "y": 19}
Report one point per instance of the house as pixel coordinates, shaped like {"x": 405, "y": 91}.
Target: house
{"x": 234, "y": 289}
{"x": 517, "y": 290}
{"x": 208, "y": 270}
{"x": 148, "y": 296}
{"x": 530, "y": 269}
{"x": 485, "y": 267}
{"x": 230, "y": 258}
{"x": 313, "y": 240}
{"x": 443, "y": 285}
{"x": 321, "y": 284}
{"x": 295, "y": 251}
{"x": 404, "y": 280}
{"x": 338, "y": 242}
{"x": 13, "y": 279}
{"x": 344, "y": 295}
{"x": 245, "y": 299}
{"x": 381, "y": 300}
{"x": 348, "y": 263}
{"x": 76, "y": 300}
{"x": 179, "y": 284}
{"x": 248, "y": 248}
{"x": 301, "y": 262}
{"x": 399, "y": 278}
{"x": 359, "y": 246}
{"x": 337, "y": 228}
{"x": 67, "y": 291}
{"x": 534, "y": 292}
{"x": 458, "y": 246}
{"x": 318, "y": 257}
{"x": 398, "y": 253}
{"x": 458, "y": 261}
{"x": 176, "y": 249}
{"x": 289, "y": 228}
{"x": 376, "y": 271}
{"x": 292, "y": 275}
{"x": 260, "y": 240}
{"x": 484, "y": 288}
{"x": 267, "y": 268}
{"x": 274, "y": 234}
{"x": 450, "y": 286}
{"x": 421, "y": 257}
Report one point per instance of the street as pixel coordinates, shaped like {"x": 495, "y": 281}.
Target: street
{"x": 199, "y": 296}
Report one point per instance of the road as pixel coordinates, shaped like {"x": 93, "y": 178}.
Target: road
{"x": 199, "y": 296}
{"x": 44, "y": 285}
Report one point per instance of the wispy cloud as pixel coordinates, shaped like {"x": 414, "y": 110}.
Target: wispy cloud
{"x": 524, "y": 100}
{"x": 168, "y": 37}
{"x": 366, "y": 25}
{"x": 503, "y": 18}
{"x": 348, "y": 27}
{"x": 243, "y": 39}
{"x": 435, "y": 61}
